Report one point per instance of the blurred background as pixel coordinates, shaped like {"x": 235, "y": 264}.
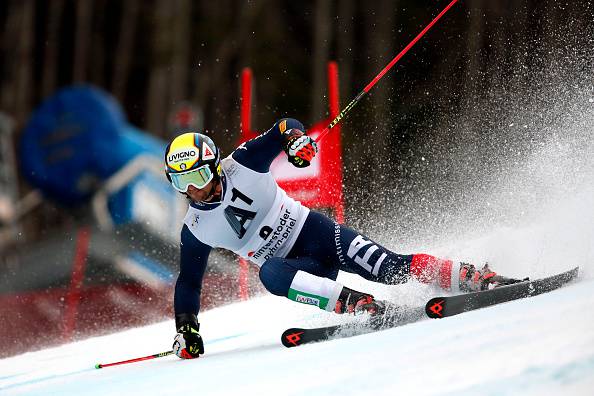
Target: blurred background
{"x": 91, "y": 91}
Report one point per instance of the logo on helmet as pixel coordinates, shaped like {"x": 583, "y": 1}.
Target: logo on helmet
{"x": 182, "y": 159}
{"x": 180, "y": 156}
{"x": 207, "y": 152}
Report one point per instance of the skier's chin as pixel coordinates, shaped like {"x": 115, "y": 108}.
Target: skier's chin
{"x": 213, "y": 195}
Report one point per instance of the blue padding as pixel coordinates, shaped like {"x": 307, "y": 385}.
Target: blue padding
{"x": 75, "y": 140}
{"x": 125, "y": 204}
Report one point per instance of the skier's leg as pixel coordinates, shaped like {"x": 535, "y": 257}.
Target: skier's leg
{"x": 456, "y": 276}
{"x": 340, "y": 246}
{"x": 306, "y": 281}
{"x": 376, "y": 263}
{"x": 303, "y": 280}
{"x": 430, "y": 269}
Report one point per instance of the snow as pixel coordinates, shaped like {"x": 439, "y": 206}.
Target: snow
{"x": 537, "y": 346}
{"x": 544, "y": 345}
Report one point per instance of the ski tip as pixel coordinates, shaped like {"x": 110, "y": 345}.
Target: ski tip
{"x": 292, "y": 337}
{"x": 98, "y": 366}
{"x": 576, "y": 270}
{"x": 434, "y": 308}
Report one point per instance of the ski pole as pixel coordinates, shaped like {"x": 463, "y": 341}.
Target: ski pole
{"x": 353, "y": 102}
{"x": 156, "y": 355}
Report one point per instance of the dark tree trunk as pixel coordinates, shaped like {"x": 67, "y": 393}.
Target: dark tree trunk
{"x": 159, "y": 79}
{"x": 97, "y": 58}
{"x": 24, "y": 62}
{"x": 52, "y": 48}
{"x": 82, "y": 39}
{"x": 181, "y": 51}
{"x": 382, "y": 51}
{"x": 345, "y": 42}
{"x": 321, "y": 45}
{"x": 125, "y": 48}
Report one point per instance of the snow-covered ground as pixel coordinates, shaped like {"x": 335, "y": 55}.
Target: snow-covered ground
{"x": 544, "y": 345}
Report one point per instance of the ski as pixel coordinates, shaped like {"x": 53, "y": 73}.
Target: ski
{"x": 438, "y": 307}
{"x": 441, "y": 307}
{"x": 393, "y": 317}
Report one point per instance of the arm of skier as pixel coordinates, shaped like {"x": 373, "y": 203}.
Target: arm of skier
{"x": 188, "y": 343}
{"x": 287, "y": 135}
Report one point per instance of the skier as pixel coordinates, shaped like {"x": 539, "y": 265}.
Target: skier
{"x": 236, "y": 204}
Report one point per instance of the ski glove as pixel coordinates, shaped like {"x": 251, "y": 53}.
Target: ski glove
{"x": 187, "y": 343}
{"x": 299, "y": 147}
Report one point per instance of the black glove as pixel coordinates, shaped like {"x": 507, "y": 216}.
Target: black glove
{"x": 299, "y": 147}
{"x": 187, "y": 343}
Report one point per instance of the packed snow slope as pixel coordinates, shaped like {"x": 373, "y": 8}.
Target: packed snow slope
{"x": 544, "y": 345}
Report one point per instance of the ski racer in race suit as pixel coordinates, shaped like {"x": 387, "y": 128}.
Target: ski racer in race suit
{"x": 236, "y": 204}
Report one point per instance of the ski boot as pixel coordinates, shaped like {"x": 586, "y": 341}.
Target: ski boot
{"x": 472, "y": 279}
{"x": 354, "y": 302}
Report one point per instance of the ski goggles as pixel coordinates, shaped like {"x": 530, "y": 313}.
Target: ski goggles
{"x": 198, "y": 178}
